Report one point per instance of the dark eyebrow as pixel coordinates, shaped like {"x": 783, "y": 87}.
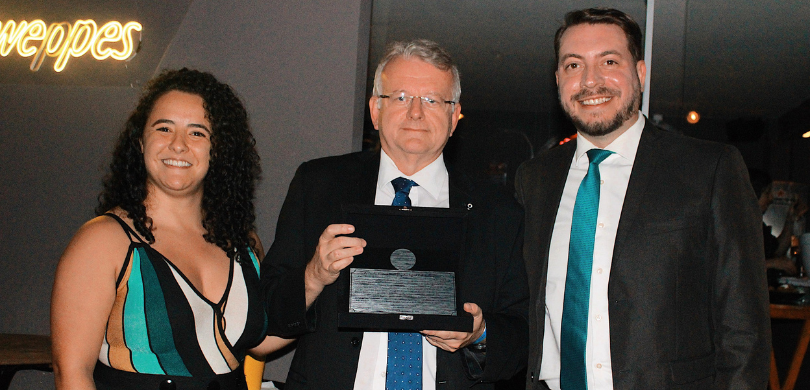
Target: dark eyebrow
{"x": 610, "y": 52}
{"x": 159, "y": 121}
{"x": 169, "y": 121}
{"x": 577, "y": 56}
{"x": 200, "y": 127}
{"x": 567, "y": 56}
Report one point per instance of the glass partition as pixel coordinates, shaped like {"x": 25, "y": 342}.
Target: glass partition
{"x": 740, "y": 64}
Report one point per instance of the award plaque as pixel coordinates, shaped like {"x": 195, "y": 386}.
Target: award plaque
{"x": 406, "y": 277}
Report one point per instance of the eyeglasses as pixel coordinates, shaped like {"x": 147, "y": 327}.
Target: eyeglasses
{"x": 428, "y": 102}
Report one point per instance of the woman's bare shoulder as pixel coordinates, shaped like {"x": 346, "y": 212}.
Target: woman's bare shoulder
{"x": 101, "y": 228}
{"x": 101, "y": 239}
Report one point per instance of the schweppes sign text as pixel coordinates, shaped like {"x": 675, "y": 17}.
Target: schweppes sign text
{"x": 64, "y": 41}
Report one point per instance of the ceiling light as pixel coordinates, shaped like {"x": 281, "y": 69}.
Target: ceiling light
{"x": 806, "y": 135}
{"x": 692, "y": 117}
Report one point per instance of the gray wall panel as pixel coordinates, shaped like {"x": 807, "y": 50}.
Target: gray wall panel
{"x": 300, "y": 69}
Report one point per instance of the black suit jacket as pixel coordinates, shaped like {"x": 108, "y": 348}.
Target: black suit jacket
{"x": 687, "y": 292}
{"x": 493, "y": 276}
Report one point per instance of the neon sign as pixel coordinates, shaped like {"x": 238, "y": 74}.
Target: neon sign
{"x": 64, "y": 41}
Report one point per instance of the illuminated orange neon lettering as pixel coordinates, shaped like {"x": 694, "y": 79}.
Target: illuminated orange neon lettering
{"x": 47, "y": 47}
{"x": 64, "y": 41}
{"x": 109, "y": 32}
{"x": 77, "y": 43}
{"x": 34, "y": 32}
{"x": 9, "y": 36}
{"x": 129, "y": 49}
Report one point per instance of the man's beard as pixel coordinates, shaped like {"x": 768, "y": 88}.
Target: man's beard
{"x": 605, "y": 127}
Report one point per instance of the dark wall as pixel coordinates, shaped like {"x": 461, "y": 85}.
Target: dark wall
{"x": 300, "y": 68}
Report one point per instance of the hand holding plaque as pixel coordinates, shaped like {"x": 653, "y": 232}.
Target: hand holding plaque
{"x": 334, "y": 252}
{"x": 451, "y": 341}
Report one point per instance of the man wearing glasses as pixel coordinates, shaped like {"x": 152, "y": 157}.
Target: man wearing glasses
{"x": 415, "y": 107}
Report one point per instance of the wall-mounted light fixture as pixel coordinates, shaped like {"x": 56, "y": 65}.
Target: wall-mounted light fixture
{"x": 568, "y": 139}
{"x": 63, "y": 40}
{"x": 692, "y": 117}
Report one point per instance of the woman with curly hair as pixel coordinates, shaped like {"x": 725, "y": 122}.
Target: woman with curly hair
{"x": 161, "y": 290}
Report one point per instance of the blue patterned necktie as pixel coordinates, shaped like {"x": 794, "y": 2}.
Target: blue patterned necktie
{"x": 402, "y": 186}
{"x": 404, "y": 348}
{"x": 573, "y": 374}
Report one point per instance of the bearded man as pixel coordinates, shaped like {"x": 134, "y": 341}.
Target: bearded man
{"x": 643, "y": 248}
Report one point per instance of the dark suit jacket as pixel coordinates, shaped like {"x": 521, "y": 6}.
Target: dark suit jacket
{"x": 493, "y": 276}
{"x": 687, "y": 294}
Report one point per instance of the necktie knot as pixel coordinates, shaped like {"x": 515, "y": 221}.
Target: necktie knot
{"x": 596, "y": 156}
{"x": 402, "y": 186}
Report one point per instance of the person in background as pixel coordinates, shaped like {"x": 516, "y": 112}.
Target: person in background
{"x": 776, "y": 247}
{"x": 415, "y": 106}
{"x": 643, "y": 248}
{"x": 161, "y": 290}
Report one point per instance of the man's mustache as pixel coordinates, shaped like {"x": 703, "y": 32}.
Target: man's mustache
{"x": 586, "y": 93}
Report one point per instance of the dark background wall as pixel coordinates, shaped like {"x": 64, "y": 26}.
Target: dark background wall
{"x": 299, "y": 67}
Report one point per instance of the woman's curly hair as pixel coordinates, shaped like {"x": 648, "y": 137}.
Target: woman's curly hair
{"x": 229, "y": 185}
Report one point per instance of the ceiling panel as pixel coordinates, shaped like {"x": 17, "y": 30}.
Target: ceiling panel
{"x": 504, "y": 50}
{"x": 725, "y": 59}
{"x": 746, "y": 58}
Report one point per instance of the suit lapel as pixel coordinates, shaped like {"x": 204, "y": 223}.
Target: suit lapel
{"x": 460, "y": 188}
{"x": 644, "y": 168}
{"x": 642, "y": 176}
{"x": 369, "y": 171}
{"x": 552, "y": 185}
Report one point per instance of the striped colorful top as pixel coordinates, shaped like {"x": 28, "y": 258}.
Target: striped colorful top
{"x": 161, "y": 324}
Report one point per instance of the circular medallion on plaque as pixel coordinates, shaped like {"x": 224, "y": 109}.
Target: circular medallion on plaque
{"x": 403, "y": 259}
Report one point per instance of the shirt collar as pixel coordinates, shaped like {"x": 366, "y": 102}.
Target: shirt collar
{"x": 625, "y": 146}
{"x": 430, "y": 178}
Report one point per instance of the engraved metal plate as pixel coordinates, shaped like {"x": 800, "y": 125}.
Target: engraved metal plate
{"x": 401, "y": 291}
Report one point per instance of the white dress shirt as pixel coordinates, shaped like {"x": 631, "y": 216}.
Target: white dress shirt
{"x": 615, "y": 174}
{"x": 433, "y": 191}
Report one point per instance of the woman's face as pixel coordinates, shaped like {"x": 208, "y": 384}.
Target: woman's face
{"x": 176, "y": 144}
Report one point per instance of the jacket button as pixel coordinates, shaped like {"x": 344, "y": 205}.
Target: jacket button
{"x": 167, "y": 384}
{"x": 355, "y": 341}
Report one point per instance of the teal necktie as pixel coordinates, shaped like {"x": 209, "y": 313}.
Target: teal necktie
{"x": 573, "y": 374}
{"x": 404, "y": 371}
